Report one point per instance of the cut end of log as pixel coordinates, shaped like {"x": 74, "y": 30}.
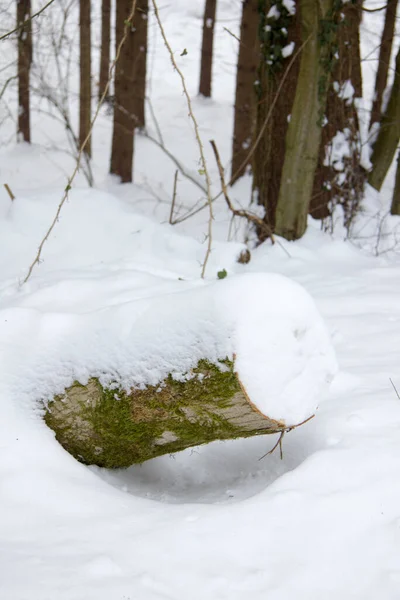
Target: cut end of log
{"x": 112, "y": 428}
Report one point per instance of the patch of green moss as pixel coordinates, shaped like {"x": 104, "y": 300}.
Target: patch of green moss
{"x": 121, "y": 428}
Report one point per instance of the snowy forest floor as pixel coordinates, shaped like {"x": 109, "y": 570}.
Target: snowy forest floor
{"x": 214, "y": 522}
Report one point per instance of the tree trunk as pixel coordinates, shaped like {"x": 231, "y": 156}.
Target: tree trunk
{"x": 385, "y": 52}
{"x": 339, "y": 178}
{"x": 85, "y": 95}
{"x": 207, "y": 48}
{"x": 395, "y": 208}
{"x": 304, "y": 131}
{"x": 245, "y": 100}
{"x": 388, "y": 136}
{"x": 24, "y": 65}
{"x": 140, "y": 62}
{"x": 124, "y": 123}
{"x": 115, "y": 429}
{"x": 105, "y": 45}
{"x": 276, "y": 83}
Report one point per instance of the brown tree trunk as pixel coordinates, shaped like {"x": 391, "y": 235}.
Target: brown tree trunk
{"x": 124, "y": 123}
{"x": 341, "y": 181}
{"x": 385, "y": 52}
{"x": 207, "y": 48}
{"x": 140, "y": 62}
{"x": 395, "y": 207}
{"x": 246, "y": 75}
{"x": 24, "y": 65}
{"x": 85, "y": 95}
{"x": 389, "y": 135}
{"x": 105, "y": 45}
{"x": 270, "y": 154}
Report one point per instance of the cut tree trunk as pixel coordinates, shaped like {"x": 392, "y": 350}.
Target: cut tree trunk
{"x": 24, "y": 66}
{"x": 105, "y": 46}
{"x": 385, "y": 52}
{"x": 277, "y": 84}
{"x": 207, "y": 48}
{"x": 124, "y": 123}
{"x": 389, "y": 134}
{"x": 115, "y": 429}
{"x": 245, "y": 100}
{"x": 140, "y": 62}
{"x": 304, "y": 131}
{"x": 85, "y": 94}
{"x": 339, "y": 178}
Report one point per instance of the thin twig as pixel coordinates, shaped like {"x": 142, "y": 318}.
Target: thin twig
{"x": 9, "y": 192}
{"x": 128, "y": 24}
{"x": 238, "y": 212}
{"x": 171, "y": 214}
{"x": 22, "y": 25}
{"x": 281, "y": 435}
{"x": 232, "y": 34}
{"x": 198, "y": 138}
{"x": 394, "y": 387}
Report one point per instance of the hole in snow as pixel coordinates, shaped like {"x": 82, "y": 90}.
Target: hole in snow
{"x": 215, "y": 473}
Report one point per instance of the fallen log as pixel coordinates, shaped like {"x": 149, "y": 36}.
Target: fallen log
{"x": 113, "y": 428}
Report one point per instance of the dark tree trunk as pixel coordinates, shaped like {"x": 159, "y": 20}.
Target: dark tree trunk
{"x": 385, "y": 52}
{"x": 341, "y": 181}
{"x": 140, "y": 62}
{"x": 245, "y": 100}
{"x": 207, "y": 48}
{"x": 105, "y": 45}
{"x": 85, "y": 96}
{"x": 270, "y": 154}
{"x": 124, "y": 123}
{"x": 389, "y": 134}
{"x": 24, "y": 65}
{"x": 395, "y": 208}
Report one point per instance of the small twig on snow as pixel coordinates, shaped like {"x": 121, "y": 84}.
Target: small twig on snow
{"x": 394, "y": 387}
{"x": 171, "y": 214}
{"x": 9, "y": 192}
{"x": 281, "y": 435}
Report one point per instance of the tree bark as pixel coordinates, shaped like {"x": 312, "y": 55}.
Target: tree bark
{"x": 340, "y": 180}
{"x": 85, "y": 95}
{"x": 395, "y": 207}
{"x": 304, "y": 131}
{"x": 140, "y": 62}
{"x": 385, "y": 52}
{"x": 276, "y": 83}
{"x": 388, "y": 136}
{"x": 105, "y": 46}
{"x": 124, "y": 123}
{"x": 24, "y": 65}
{"x": 245, "y": 100}
{"x": 207, "y": 48}
{"x": 115, "y": 429}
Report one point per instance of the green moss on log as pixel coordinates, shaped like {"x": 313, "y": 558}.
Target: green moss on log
{"x": 115, "y": 429}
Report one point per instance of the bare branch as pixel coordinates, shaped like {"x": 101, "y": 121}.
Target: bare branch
{"x": 198, "y": 138}
{"x": 22, "y": 25}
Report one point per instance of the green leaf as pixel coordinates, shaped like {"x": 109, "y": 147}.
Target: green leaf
{"x": 184, "y": 52}
{"x": 202, "y": 172}
{"x": 222, "y": 274}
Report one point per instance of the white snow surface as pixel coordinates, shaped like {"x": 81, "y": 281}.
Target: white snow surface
{"x": 212, "y": 522}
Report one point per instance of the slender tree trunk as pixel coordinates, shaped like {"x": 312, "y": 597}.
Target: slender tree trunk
{"x": 395, "y": 208}
{"x": 105, "y": 45}
{"x": 385, "y": 52}
{"x": 339, "y": 178}
{"x": 245, "y": 101}
{"x": 140, "y": 62}
{"x": 280, "y": 39}
{"x": 85, "y": 96}
{"x": 24, "y": 65}
{"x": 207, "y": 48}
{"x": 389, "y": 134}
{"x": 124, "y": 123}
{"x": 304, "y": 131}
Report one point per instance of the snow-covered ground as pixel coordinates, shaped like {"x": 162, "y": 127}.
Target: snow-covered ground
{"x": 212, "y": 522}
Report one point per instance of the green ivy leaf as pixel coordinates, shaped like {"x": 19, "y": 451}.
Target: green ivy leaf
{"x": 222, "y": 274}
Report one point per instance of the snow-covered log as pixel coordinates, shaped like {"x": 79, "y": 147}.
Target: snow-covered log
{"x": 112, "y": 428}
{"x": 241, "y": 357}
